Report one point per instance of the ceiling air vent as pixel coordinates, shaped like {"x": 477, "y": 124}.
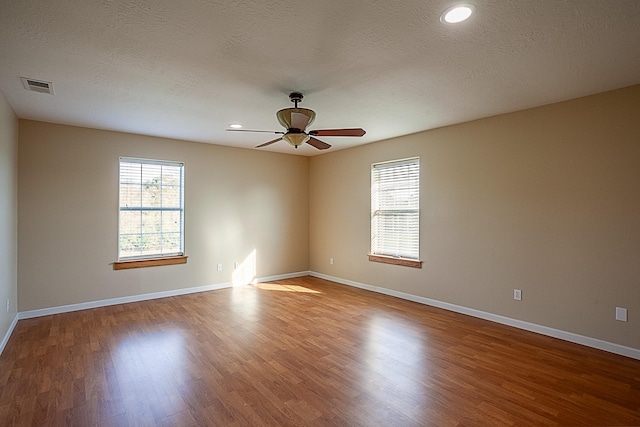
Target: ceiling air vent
{"x": 39, "y": 86}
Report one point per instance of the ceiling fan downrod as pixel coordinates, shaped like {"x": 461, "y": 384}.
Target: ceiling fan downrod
{"x": 295, "y": 97}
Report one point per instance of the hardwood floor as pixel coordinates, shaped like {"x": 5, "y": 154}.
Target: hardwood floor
{"x": 303, "y": 352}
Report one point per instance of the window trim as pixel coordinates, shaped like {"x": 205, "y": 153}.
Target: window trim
{"x": 406, "y": 262}
{"x": 153, "y": 260}
{"x": 386, "y": 258}
{"x": 149, "y": 262}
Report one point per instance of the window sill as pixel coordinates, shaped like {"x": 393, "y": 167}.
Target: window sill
{"x": 153, "y": 262}
{"x": 396, "y": 261}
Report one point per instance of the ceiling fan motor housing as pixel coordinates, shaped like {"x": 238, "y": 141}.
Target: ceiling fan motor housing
{"x": 296, "y": 118}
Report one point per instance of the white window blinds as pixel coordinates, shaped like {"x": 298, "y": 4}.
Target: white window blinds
{"x": 151, "y": 219}
{"x": 395, "y": 214}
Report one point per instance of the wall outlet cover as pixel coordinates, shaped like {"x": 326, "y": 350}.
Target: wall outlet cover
{"x": 517, "y": 294}
{"x": 621, "y": 314}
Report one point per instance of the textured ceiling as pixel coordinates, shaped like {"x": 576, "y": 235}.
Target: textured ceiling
{"x": 187, "y": 69}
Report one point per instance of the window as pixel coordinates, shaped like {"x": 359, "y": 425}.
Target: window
{"x": 395, "y": 212}
{"x": 151, "y": 217}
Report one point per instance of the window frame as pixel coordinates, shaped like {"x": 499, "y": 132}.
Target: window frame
{"x": 375, "y": 254}
{"x": 157, "y": 258}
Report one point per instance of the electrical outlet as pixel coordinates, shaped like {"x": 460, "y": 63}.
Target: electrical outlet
{"x": 331, "y": 261}
{"x": 621, "y": 314}
{"x": 219, "y": 267}
{"x": 517, "y": 294}
{"x": 235, "y": 265}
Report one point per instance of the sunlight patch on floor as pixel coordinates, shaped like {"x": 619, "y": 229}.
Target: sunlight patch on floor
{"x": 285, "y": 288}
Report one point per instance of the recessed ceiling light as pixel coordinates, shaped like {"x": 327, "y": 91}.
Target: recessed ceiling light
{"x": 235, "y": 126}
{"x": 457, "y": 13}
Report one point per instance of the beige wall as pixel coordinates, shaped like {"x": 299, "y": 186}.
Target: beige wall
{"x": 8, "y": 215}
{"x": 544, "y": 200}
{"x": 236, "y": 201}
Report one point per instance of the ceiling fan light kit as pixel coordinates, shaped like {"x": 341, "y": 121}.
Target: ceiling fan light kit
{"x": 296, "y": 120}
{"x": 296, "y": 139}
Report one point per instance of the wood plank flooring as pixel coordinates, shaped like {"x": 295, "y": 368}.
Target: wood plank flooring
{"x": 303, "y": 352}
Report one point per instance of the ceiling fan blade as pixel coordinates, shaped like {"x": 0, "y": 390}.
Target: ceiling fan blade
{"x": 318, "y": 144}
{"x": 250, "y": 130}
{"x": 338, "y": 132}
{"x": 270, "y": 142}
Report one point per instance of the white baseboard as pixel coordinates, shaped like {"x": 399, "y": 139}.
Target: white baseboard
{"x": 9, "y": 332}
{"x": 544, "y": 330}
{"x": 143, "y": 297}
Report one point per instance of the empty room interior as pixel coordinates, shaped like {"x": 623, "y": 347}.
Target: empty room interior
{"x": 344, "y": 213}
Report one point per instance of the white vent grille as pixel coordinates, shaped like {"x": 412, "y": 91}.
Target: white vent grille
{"x": 39, "y": 86}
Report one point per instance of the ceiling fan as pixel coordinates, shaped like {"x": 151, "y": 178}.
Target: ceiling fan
{"x": 295, "y": 121}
